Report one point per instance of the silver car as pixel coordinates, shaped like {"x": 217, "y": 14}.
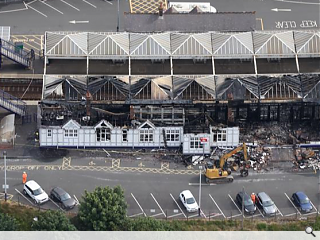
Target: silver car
{"x": 267, "y": 205}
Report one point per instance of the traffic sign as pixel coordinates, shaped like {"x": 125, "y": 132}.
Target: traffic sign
{"x": 5, "y": 186}
{"x": 203, "y": 140}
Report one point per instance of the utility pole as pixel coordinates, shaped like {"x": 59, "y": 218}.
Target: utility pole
{"x": 5, "y": 175}
{"x": 118, "y": 21}
{"x": 318, "y": 190}
{"x": 200, "y": 168}
{"x": 242, "y": 209}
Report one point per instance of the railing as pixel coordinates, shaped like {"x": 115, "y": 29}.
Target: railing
{"x": 18, "y": 55}
{"x": 12, "y": 103}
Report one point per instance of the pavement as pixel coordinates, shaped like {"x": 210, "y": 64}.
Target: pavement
{"x": 155, "y": 190}
{"x": 37, "y": 16}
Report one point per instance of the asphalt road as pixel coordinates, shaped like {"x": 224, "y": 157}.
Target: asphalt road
{"x": 156, "y": 194}
{"x": 99, "y": 15}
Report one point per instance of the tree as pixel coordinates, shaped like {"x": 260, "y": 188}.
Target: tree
{"x": 52, "y": 221}
{"x": 104, "y": 209}
{"x": 8, "y": 223}
{"x": 149, "y": 224}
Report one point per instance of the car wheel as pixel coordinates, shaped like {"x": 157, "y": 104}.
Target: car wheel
{"x": 35, "y": 202}
{"x": 24, "y": 192}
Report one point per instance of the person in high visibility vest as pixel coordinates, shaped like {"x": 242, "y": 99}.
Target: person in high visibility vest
{"x": 253, "y": 198}
{"x": 24, "y": 177}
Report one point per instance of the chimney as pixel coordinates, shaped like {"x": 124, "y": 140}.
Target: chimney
{"x": 160, "y": 11}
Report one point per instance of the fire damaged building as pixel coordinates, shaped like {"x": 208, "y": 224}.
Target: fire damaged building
{"x": 172, "y": 88}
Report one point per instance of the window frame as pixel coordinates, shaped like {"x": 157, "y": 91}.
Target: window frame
{"x": 146, "y": 135}
{"x": 49, "y": 132}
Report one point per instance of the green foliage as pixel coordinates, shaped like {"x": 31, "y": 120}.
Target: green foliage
{"x": 52, "y": 221}
{"x": 8, "y": 223}
{"x": 149, "y": 224}
{"x": 261, "y": 226}
{"x": 104, "y": 209}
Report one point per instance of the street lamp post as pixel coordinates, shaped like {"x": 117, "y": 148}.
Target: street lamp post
{"x": 5, "y": 175}
{"x": 200, "y": 168}
{"x": 118, "y": 21}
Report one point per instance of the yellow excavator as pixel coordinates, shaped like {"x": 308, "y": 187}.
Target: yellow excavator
{"x": 214, "y": 174}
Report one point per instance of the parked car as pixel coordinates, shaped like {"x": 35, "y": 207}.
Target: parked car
{"x": 188, "y": 201}
{"x": 267, "y": 205}
{"x": 34, "y": 191}
{"x": 301, "y": 200}
{"x": 249, "y": 206}
{"x": 59, "y": 195}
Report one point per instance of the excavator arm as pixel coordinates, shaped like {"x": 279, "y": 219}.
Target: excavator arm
{"x": 224, "y": 158}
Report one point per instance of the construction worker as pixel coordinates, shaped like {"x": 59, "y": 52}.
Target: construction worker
{"x": 24, "y": 177}
{"x": 253, "y": 198}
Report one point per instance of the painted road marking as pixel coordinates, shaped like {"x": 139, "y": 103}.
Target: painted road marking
{"x": 70, "y": 5}
{"x": 260, "y": 212}
{"x": 37, "y": 10}
{"x": 134, "y": 215}
{"x": 51, "y": 7}
{"x": 314, "y": 206}
{"x": 175, "y": 215}
{"x": 77, "y": 201}
{"x": 310, "y": 3}
{"x": 217, "y": 205}
{"x": 292, "y": 203}
{"x": 155, "y": 215}
{"x": 237, "y": 215}
{"x": 212, "y": 215}
{"x": 139, "y": 205}
{"x": 178, "y": 206}
{"x": 158, "y": 204}
{"x": 56, "y": 204}
{"x": 24, "y": 196}
{"x": 291, "y": 214}
{"x": 108, "y": 2}
{"x": 9, "y": 196}
{"x": 192, "y": 216}
{"x": 202, "y": 184}
{"x": 89, "y": 3}
{"x": 278, "y": 210}
{"x": 236, "y": 205}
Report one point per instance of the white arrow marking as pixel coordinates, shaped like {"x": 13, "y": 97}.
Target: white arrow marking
{"x": 74, "y": 21}
{"x": 281, "y": 10}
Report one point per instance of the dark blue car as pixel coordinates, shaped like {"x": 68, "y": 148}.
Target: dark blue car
{"x": 302, "y": 202}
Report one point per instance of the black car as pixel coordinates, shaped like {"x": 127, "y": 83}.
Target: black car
{"x": 249, "y": 206}
{"x": 61, "y": 196}
{"x": 301, "y": 200}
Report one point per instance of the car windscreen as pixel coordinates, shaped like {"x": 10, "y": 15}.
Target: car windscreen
{"x": 305, "y": 200}
{"x": 247, "y": 201}
{"x": 65, "y": 196}
{"x": 38, "y": 191}
{"x": 268, "y": 203}
{"x": 190, "y": 200}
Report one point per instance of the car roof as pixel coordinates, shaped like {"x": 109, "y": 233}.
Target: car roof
{"x": 263, "y": 196}
{"x": 301, "y": 195}
{"x": 33, "y": 185}
{"x": 59, "y": 190}
{"x": 187, "y": 194}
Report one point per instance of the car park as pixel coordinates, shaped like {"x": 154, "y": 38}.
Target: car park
{"x": 59, "y": 195}
{"x": 267, "y": 205}
{"x": 33, "y": 190}
{"x": 188, "y": 201}
{"x": 249, "y": 206}
{"x": 301, "y": 200}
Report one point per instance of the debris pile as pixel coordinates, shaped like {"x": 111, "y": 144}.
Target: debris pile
{"x": 306, "y": 159}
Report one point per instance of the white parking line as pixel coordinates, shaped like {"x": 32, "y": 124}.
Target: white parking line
{"x": 70, "y": 5}
{"x": 134, "y": 215}
{"x": 292, "y": 204}
{"x": 291, "y": 214}
{"x": 24, "y": 196}
{"x": 51, "y": 7}
{"x": 178, "y": 214}
{"x": 56, "y": 204}
{"x": 139, "y": 205}
{"x": 37, "y": 11}
{"x": 314, "y": 206}
{"x": 217, "y": 205}
{"x": 213, "y": 215}
{"x": 202, "y": 184}
{"x": 108, "y": 2}
{"x": 178, "y": 205}
{"x": 236, "y": 205}
{"x": 259, "y": 211}
{"x": 278, "y": 210}
{"x": 158, "y": 204}
{"x": 234, "y": 216}
{"x": 158, "y": 214}
{"x": 75, "y": 198}
{"x": 89, "y": 3}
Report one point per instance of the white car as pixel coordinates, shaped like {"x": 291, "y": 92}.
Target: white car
{"x": 188, "y": 201}
{"x": 33, "y": 189}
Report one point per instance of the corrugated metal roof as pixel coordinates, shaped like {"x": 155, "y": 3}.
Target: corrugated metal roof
{"x": 191, "y": 44}
{"x": 228, "y": 44}
{"x": 108, "y": 44}
{"x": 274, "y": 43}
{"x": 150, "y": 45}
{"x": 307, "y": 43}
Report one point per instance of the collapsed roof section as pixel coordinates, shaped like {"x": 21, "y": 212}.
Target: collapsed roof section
{"x": 231, "y": 45}
{"x": 195, "y": 88}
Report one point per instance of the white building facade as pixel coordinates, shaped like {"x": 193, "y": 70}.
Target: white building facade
{"x": 147, "y": 135}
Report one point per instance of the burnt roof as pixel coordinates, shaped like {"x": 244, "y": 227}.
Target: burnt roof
{"x": 185, "y": 22}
